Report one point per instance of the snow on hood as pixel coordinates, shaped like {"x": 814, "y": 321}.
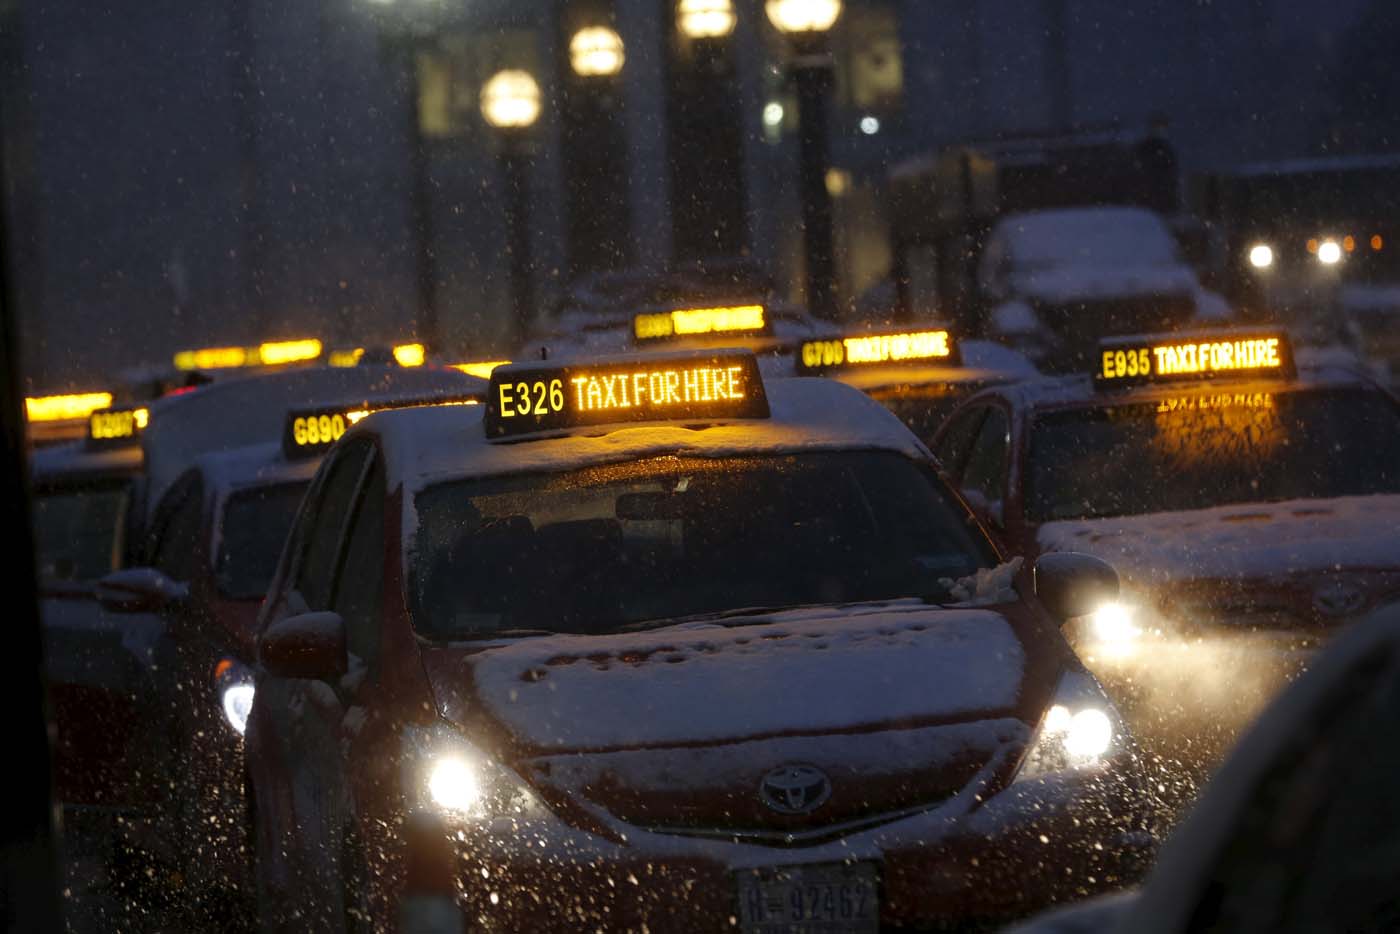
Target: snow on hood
{"x": 807, "y": 671}
{"x": 1081, "y": 281}
{"x": 1248, "y": 540}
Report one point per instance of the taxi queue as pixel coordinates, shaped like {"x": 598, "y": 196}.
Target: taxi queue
{"x": 663, "y": 639}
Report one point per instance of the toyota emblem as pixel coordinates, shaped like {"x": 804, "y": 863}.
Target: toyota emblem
{"x": 1339, "y": 598}
{"x": 795, "y": 789}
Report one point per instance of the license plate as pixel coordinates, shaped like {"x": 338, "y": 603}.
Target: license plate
{"x": 832, "y": 898}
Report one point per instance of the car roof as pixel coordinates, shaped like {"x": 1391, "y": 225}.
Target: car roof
{"x": 238, "y": 412}
{"x": 428, "y": 444}
{"x": 75, "y": 458}
{"x": 982, "y": 362}
{"x": 253, "y": 466}
{"x": 1070, "y": 392}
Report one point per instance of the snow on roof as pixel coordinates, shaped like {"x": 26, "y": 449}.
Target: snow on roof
{"x": 247, "y": 410}
{"x": 74, "y": 457}
{"x": 1244, "y": 540}
{"x": 1087, "y": 236}
{"x": 427, "y": 444}
{"x": 254, "y": 465}
{"x": 1305, "y": 165}
{"x": 839, "y": 668}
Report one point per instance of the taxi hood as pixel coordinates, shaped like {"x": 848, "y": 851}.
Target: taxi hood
{"x": 1313, "y": 542}
{"x": 788, "y": 673}
{"x": 897, "y": 704}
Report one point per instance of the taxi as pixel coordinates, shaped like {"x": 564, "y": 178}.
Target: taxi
{"x": 211, "y": 547}
{"x": 919, "y": 372}
{"x": 656, "y": 644}
{"x": 1250, "y": 499}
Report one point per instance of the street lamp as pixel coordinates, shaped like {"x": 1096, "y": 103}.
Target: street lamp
{"x": 705, "y": 19}
{"x": 596, "y": 52}
{"x": 510, "y": 102}
{"x": 806, "y": 24}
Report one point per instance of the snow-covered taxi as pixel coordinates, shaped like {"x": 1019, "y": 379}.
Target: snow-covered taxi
{"x": 918, "y": 372}
{"x": 663, "y": 647}
{"x": 1251, "y": 502}
{"x": 211, "y": 548}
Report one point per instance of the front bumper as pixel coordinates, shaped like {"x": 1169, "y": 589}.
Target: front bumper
{"x": 1029, "y": 847}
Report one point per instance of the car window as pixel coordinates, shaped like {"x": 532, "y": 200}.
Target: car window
{"x": 252, "y": 530}
{"x": 360, "y": 583}
{"x": 325, "y": 534}
{"x": 80, "y": 531}
{"x": 985, "y": 476}
{"x": 668, "y": 538}
{"x": 175, "y": 536}
{"x": 956, "y": 441}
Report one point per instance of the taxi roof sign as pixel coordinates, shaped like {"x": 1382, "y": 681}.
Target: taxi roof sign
{"x": 1175, "y": 358}
{"x": 66, "y": 407}
{"x": 310, "y": 432}
{"x": 882, "y": 348}
{"x": 117, "y": 426}
{"x": 528, "y": 398}
{"x": 678, "y": 323}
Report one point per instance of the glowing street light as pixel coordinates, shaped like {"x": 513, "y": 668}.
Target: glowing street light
{"x": 511, "y": 100}
{"x": 1329, "y": 253}
{"x": 803, "y": 16}
{"x": 596, "y": 52}
{"x": 806, "y": 24}
{"x": 705, "y": 19}
{"x": 1261, "y": 256}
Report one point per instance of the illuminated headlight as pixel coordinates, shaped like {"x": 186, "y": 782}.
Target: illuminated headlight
{"x": 1113, "y": 628}
{"x": 1329, "y": 253}
{"x": 1081, "y": 729}
{"x": 1261, "y": 256}
{"x": 451, "y": 776}
{"x": 233, "y": 686}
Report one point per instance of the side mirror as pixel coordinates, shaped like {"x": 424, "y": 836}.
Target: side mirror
{"x": 140, "y": 590}
{"x": 311, "y": 645}
{"x": 1072, "y": 584}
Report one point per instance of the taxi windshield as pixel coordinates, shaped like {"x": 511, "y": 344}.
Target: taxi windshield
{"x": 1213, "y": 449}
{"x": 79, "y": 530}
{"x": 601, "y": 549}
{"x": 255, "y": 524}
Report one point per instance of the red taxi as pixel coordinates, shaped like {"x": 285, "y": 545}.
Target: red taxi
{"x": 1251, "y": 502}
{"x": 660, "y": 647}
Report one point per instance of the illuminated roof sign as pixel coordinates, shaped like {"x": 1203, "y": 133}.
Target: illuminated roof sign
{"x": 117, "y": 427}
{"x": 1132, "y": 361}
{"x": 269, "y": 353}
{"x": 311, "y": 432}
{"x": 736, "y": 320}
{"x": 895, "y": 348}
{"x": 65, "y": 407}
{"x": 535, "y": 397}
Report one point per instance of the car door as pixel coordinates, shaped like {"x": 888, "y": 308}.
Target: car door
{"x": 295, "y": 758}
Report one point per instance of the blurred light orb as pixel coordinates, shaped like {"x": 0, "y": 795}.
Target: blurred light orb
{"x": 705, "y": 19}
{"x": 1329, "y": 253}
{"x": 803, "y": 16}
{"x": 596, "y": 52}
{"x": 1261, "y": 256}
{"x": 870, "y": 125}
{"x": 773, "y": 114}
{"x": 1089, "y": 735}
{"x": 511, "y": 100}
{"x": 1114, "y": 628}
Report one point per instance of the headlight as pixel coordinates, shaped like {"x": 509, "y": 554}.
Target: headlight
{"x": 233, "y": 686}
{"x": 1329, "y": 253}
{"x": 451, "y": 776}
{"x": 1261, "y": 256}
{"x": 1081, "y": 729}
{"x": 1113, "y": 628}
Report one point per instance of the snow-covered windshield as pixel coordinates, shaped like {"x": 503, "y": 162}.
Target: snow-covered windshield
{"x": 78, "y": 530}
{"x": 599, "y": 549}
{"x": 254, "y": 525}
{"x": 1087, "y": 237}
{"x": 1212, "y": 449}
